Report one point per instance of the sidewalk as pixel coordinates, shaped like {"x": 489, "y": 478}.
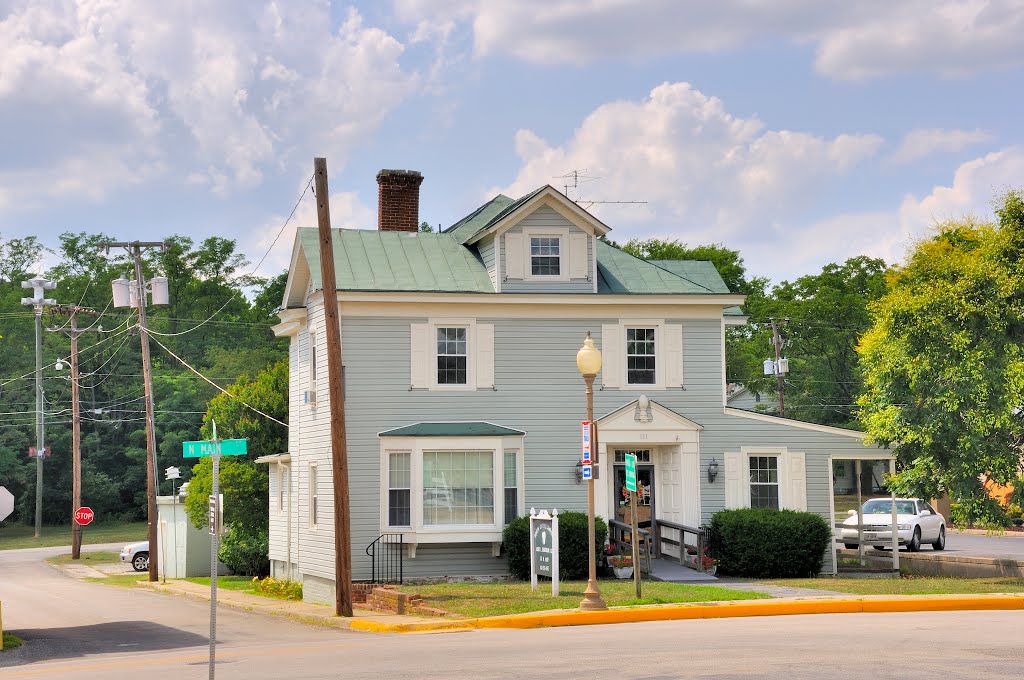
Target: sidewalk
{"x": 379, "y": 622}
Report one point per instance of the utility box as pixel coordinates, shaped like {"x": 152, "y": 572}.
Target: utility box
{"x": 187, "y": 549}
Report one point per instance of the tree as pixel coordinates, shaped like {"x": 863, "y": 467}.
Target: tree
{"x": 821, "y": 317}
{"x": 728, "y": 262}
{"x": 944, "y": 360}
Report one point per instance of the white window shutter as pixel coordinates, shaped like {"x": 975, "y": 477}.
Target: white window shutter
{"x": 578, "y": 256}
{"x": 612, "y": 348}
{"x": 514, "y": 256}
{"x": 420, "y": 351}
{"x": 736, "y": 494}
{"x": 796, "y": 480}
{"x": 484, "y": 356}
{"x": 673, "y": 355}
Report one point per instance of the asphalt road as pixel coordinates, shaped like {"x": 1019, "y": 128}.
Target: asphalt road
{"x": 78, "y": 631}
{"x": 1009, "y": 545}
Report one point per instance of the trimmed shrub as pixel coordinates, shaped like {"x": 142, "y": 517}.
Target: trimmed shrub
{"x": 244, "y": 551}
{"x": 763, "y": 543}
{"x": 281, "y": 588}
{"x": 572, "y": 545}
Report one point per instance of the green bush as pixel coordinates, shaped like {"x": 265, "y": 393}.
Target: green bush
{"x": 980, "y": 511}
{"x": 572, "y": 545}
{"x": 762, "y": 543}
{"x": 244, "y": 551}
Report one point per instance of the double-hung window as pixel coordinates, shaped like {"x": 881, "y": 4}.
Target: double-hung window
{"x": 545, "y": 256}
{"x": 283, "y": 482}
{"x": 450, "y": 489}
{"x": 640, "y": 356}
{"x": 452, "y": 355}
{"x": 314, "y": 500}
{"x": 764, "y": 482}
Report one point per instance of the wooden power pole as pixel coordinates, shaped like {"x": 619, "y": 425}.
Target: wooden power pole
{"x": 339, "y": 453}
{"x": 73, "y": 332}
{"x": 135, "y": 248}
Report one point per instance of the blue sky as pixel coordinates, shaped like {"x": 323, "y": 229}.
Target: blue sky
{"x": 800, "y": 132}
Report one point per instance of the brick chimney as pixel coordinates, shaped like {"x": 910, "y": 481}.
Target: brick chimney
{"x": 398, "y": 200}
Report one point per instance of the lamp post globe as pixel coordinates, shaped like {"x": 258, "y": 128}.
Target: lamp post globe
{"x": 588, "y": 361}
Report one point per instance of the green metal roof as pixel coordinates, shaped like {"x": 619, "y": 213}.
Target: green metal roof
{"x": 397, "y": 261}
{"x": 468, "y": 226}
{"x": 700, "y": 272}
{"x": 487, "y": 215}
{"x": 619, "y": 273}
{"x": 465, "y": 429}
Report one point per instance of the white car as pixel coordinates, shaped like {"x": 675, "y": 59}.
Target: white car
{"x": 917, "y": 523}
{"x": 137, "y": 554}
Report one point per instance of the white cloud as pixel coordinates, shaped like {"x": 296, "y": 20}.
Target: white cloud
{"x": 699, "y": 168}
{"x": 853, "y": 40}
{"x": 217, "y": 92}
{"x": 889, "y": 234}
{"x": 920, "y": 143}
{"x": 347, "y": 212}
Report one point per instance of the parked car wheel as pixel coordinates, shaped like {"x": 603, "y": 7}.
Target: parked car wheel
{"x": 878, "y": 547}
{"x": 915, "y": 540}
{"x": 141, "y": 561}
{"x": 940, "y": 542}
{"x": 850, "y": 546}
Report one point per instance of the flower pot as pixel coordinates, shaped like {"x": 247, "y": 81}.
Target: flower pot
{"x": 623, "y": 572}
{"x": 712, "y": 570}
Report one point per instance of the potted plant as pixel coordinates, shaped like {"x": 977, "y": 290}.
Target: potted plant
{"x": 620, "y": 562}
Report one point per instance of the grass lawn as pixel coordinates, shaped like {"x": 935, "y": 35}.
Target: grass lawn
{"x": 515, "y": 597}
{"x": 90, "y": 558}
{"x": 15, "y": 536}
{"x": 11, "y": 642}
{"x": 120, "y": 580}
{"x": 242, "y": 583}
{"x": 908, "y": 585}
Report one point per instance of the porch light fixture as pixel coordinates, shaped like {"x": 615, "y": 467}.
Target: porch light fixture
{"x": 712, "y": 470}
{"x": 588, "y": 361}
{"x": 579, "y": 471}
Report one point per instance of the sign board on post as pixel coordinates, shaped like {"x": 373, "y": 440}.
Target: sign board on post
{"x": 631, "y": 472}
{"x": 6, "y": 503}
{"x": 202, "y": 449}
{"x": 585, "y": 431}
{"x": 84, "y": 516}
{"x": 544, "y": 548}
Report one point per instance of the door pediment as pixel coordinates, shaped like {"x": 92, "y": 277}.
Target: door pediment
{"x": 659, "y": 423}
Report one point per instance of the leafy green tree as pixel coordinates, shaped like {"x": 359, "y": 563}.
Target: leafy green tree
{"x": 821, "y": 318}
{"x": 944, "y": 361}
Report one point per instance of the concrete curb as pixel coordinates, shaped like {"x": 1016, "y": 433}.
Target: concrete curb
{"x": 711, "y": 611}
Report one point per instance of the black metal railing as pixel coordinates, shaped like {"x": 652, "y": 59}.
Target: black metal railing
{"x": 387, "y": 559}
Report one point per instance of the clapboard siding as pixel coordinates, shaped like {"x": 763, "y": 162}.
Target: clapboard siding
{"x": 547, "y": 217}
{"x": 538, "y": 390}
{"x": 486, "y": 251}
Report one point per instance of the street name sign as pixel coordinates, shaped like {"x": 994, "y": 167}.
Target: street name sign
{"x": 6, "y": 503}
{"x": 84, "y": 515}
{"x": 631, "y": 472}
{"x": 202, "y": 449}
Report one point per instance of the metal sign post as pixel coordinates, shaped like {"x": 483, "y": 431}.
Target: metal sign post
{"x": 631, "y": 487}
{"x": 214, "y": 448}
{"x": 544, "y": 548}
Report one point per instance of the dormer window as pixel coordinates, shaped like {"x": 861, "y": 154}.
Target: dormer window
{"x": 545, "y": 256}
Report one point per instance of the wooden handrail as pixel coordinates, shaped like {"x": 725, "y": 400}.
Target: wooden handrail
{"x": 683, "y": 530}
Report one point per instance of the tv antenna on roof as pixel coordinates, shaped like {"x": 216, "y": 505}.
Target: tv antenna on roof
{"x": 579, "y": 177}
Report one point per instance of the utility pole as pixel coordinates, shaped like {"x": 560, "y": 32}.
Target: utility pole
{"x": 76, "y": 421}
{"x": 780, "y": 373}
{"x": 121, "y": 286}
{"x": 339, "y": 453}
{"x": 38, "y": 285}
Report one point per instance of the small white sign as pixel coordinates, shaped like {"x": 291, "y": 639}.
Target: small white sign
{"x": 588, "y": 472}
{"x": 544, "y": 547}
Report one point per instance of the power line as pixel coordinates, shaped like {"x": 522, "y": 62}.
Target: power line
{"x": 283, "y": 226}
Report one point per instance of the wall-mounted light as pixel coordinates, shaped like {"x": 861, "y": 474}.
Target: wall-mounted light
{"x": 579, "y": 471}
{"x": 712, "y": 470}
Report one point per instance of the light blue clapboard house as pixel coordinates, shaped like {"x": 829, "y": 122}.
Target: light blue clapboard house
{"x": 463, "y": 401}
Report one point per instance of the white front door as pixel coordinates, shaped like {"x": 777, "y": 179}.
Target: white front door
{"x": 670, "y": 495}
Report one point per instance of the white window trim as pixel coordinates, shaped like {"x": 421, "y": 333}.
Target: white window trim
{"x": 562, "y": 234}
{"x": 780, "y": 472}
{"x": 312, "y": 359}
{"x": 283, "y": 482}
{"x": 418, "y": 532}
{"x": 314, "y": 498}
{"x": 782, "y": 454}
{"x": 471, "y": 353}
{"x": 385, "y": 517}
{"x": 659, "y": 353}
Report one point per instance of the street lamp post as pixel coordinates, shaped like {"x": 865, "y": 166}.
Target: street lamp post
{"x": 588, "y": 361}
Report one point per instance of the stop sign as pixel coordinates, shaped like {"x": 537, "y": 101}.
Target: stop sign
{"x": 84, "y": 516}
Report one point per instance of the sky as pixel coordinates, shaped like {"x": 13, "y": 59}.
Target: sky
{"x": 799, "y": 132}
